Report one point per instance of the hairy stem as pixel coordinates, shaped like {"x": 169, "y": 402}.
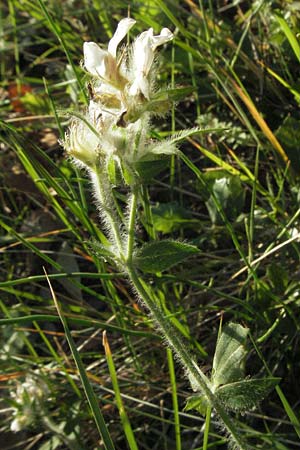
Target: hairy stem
{"x": 105, "y": 202}
{"x": 131, "y": 225}
{"x": 169, "y": 332}
{"x": 176, "y": 343}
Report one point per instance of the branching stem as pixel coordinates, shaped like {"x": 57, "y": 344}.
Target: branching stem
{"x": 174, "y": 340}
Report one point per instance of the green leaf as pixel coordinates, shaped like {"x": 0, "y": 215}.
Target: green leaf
{"x": 228, "y": 363}
{"x": 245, "y": 394}
{"x": 102, "y": 251}
{"x": 227, "y": 190}
{"x": 147, "y": 169}
{"x": 168, "y": 217}
{"x": 111, "y": 171}
{"x": 89, "y": 392}
{"x": 291, "y": 37}
{"x": 197, "y": 402}
{"x": 127, "y": 173}
{"x": 51, "y": 444}
{"x": 36, "y": 104}
{"x": 160, "y": 256}
{"x": 163, "y": 148}
{"x": 173, "y": 94}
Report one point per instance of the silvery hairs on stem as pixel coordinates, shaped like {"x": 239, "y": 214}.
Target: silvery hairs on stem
{"x": 114, "y": 129}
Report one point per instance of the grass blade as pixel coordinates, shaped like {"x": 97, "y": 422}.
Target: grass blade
{"x": 91, "y": 397}
{"x": 123, "y": 415}
{"x": 289, "y": 35}
{"x": 61, "y": 40}
{"x": 174, "y": 398}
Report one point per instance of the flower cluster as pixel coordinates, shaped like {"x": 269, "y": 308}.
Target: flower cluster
{"x": 114, "y": 130}
{"x": 27, "y": 400}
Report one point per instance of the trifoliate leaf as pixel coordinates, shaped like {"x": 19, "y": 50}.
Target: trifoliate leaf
{"x": 160, "y": 256}
{"x": 228, "y": 363}
{"x": 245, "y": 394}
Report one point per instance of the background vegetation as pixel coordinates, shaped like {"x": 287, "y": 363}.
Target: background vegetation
{"x": 235, "y": 65}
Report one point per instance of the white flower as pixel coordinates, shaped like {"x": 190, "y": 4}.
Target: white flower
{"x": 23, "y": 416}
{"x": 102, "y": 63}
{"x": 27, "y": 397}
{"x": 115, "y": 126}
{"x": 35, "y": 388}
{"x": 17, "y": 424}
{"x": 143, "y": 57}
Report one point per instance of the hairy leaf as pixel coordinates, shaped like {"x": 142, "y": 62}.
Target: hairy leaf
{"x": 149, "y": 168}
{"x": 197, "y": 402}
{"x": 102, "y": 251}
{"x": 228, "y": 363}
{"x": 245, "y": 394}
{"x": 160, "y": 256}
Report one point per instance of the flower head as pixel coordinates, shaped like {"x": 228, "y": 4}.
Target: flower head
{"x": 28, "y": 399}
{"x": 115, "y": 127}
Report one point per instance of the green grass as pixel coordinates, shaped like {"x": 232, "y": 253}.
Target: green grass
{"x": 240, "y": 65}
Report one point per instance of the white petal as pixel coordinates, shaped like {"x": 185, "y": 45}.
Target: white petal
{"x": 94, "y": 59}
{"x": 140, "y": 84}
{"x": 15, "y": 425}
{"x": 165, "y": 36}
{"x": 121, "y": 31}
{"x": 143, "y": 54}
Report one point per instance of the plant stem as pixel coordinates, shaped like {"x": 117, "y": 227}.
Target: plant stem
{"x": 183, "y": 354}
{"x": 131, "y": 225}
{"x": 169, "y": 332}
{"x": 105, "y": 202}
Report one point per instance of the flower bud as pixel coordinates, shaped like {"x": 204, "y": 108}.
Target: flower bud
{"x": 82, "y": 143}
